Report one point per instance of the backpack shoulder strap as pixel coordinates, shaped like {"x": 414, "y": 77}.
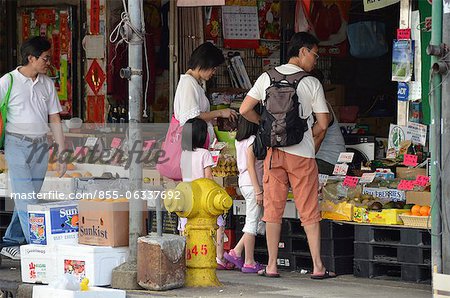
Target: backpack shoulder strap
{"x": 275, "y": 75}
{"x": 8, "y": 93}
{"x": 295, "y": 78}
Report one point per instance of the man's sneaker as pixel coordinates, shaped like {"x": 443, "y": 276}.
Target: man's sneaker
{"x": 12, "y": 252}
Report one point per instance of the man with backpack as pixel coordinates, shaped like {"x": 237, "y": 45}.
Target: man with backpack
{"x": 290, "y": 96}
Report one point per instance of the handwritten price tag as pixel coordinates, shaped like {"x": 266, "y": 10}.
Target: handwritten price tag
{"x": 350, "y": 181}
{"x": 81, "y": 151}
{"x": 367, "y": 178}
{"x": 91, "y": 141}
{"x": 340, "y": 169}
{"x": 406, "y": 185}
{"x": 115, "y": 143}
{"x": 410, "y": 160}
{"x": 323, "y": 179}
{"x": 422, "y": 180}
{"x": 346, "y": 157}
{"x": 215, "y": 156}
{"x": 148, "y": 145}
{"x": 404, "y": 33}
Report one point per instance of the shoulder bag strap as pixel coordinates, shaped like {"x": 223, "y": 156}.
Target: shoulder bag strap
{"x": 8, "y": 93}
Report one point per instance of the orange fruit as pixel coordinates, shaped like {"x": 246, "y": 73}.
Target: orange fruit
{"x": 424, "y": 210}
{"x": 407, "y": 213}
{"x": 76, "y": 175}
{"x": 415, "y": 210}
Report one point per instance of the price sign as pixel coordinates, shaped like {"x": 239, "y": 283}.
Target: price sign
{"x": 81, "y": 151}
{"x": 404, "y": 33}
{"x": 340, "y": 169}
{"x": 91, "y": 141}
{"x": 422, "y": 180}
{"x": 406, "y": 185}
{"x": 115, "y": 143}
{"x": 410, "y": 160}
{"x": 346, "y": 157}
{"x": 323, "y": 179}
{"x": 367, "y": 178}
{"x": 350, "y": 181}
{"x": 148, "y": 145}
{"x": 215, "y": 156}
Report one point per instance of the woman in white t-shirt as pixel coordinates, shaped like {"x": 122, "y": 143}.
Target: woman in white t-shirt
{"x": 250, "y": 184}
{"x": 190, "y": 98}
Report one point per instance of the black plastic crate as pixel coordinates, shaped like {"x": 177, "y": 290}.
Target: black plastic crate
{"x": 362, "y": 268}
{"x": 419, "y": 237}
{"x": 339, "y": 265}
{"x": 230, "y": 220}
{"x": 378, "y": 234}
{"x": 387, "y": 254}
{"x": 337, "y": 247}
{"x": 363, "y": 233}
{"x": 332, "y": 230}
{"x": 299, "y": 245}
{"x": 362, "y": 251}
{"x": 415, "y": 255}
{"x": 170, "y": 222}
{"x": 416, "y": 273}
{"x": 284, "y": 261}
{"x": 239, "y": 223}
{"x": 292, "y": 227}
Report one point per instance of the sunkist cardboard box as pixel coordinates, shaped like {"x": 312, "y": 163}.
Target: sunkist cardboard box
{"x": 103, "y": 222}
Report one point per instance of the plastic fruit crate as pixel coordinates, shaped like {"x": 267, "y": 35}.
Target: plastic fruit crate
{"x": 416, "y": 221}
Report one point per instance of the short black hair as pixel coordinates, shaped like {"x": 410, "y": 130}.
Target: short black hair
{"x": 194, "y": 134}
{"x": 246, "y": 128}
{"x": 205, "y": 56}
{"x": 34, "y": 46}
{"x": 300, "y": 40}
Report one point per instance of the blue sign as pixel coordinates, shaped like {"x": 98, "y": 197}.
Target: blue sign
{"x": 403, "y": 91}
{"x": 64, "y": 219}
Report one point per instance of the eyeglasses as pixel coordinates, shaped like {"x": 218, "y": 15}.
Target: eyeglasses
{"x": 46, "y": 58}
{"x": 315, "y": 54}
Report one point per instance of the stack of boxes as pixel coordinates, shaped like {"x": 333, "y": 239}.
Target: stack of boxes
{"x": 59, "y": 232}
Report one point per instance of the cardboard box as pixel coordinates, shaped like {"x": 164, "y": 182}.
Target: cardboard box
{"x": 410, "y": 173}
{"x": 340, "y": 211}
{"x": 53, "y": 223}
{"x": 422, "y": 198}
{"x": 384, "y": 217}
{"x": 335, "y": 94}
{"x": 104, "y": 222}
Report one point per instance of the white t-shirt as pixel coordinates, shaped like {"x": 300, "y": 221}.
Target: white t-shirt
{"x": 190, "y": 100}
{"x": 193, "y": 164}
{"x": 241, "y": 159}
{"x": 30, "y": 103}
{"x": 311, "y": 98}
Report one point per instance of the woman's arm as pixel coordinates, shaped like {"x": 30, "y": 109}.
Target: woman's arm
{"x": 224, "y": 113}
{"x": 253, "y": 176}
{"x": 208, "y": 173}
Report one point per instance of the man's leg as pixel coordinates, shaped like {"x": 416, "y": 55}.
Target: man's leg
{"x": 275, "y": 184}
{"x": 313, "y": 235}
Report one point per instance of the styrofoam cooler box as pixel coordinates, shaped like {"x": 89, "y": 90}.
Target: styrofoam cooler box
{"x": 94, "y": 262}
{"x": 38, "y": 263}
{"x": 93, "y": 292}
{"x": 53, "y": 223}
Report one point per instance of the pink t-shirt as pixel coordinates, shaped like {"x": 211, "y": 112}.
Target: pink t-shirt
{"x": 193, "y": 164}
{"x": 241, "y": 159}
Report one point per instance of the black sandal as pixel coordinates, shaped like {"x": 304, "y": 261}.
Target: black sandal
{"x": 324, "y": 276}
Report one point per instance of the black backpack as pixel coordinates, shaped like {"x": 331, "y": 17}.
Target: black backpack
{"x": 281, "y": 124}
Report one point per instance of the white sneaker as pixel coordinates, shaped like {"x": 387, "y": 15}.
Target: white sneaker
{"x": 12, "y": 252}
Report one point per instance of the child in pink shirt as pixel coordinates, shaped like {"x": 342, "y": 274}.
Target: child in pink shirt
{"x": 196, "y": 162}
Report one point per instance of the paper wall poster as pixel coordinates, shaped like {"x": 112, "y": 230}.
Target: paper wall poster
{"x": 397, "y": 134}
{"x": 200, "y": 2}
{"x": 269, "y": 19}
{"x": 417, "y": 133}
{"x": 402, "y": 60}
{"x": 377, "y": 4}
{"x": 416, "y": 36}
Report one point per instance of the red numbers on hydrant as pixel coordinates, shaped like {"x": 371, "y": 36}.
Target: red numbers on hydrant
{"x": 194, "y": 251}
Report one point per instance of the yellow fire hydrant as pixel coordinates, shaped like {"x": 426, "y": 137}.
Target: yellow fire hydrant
{"x": 201, "y": 202}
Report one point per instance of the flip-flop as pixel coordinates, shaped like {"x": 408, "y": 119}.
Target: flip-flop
{"x": 267, "y": 274}
{"x": 324, "y": 276}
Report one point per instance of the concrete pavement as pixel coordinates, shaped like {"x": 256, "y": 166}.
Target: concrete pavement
{"x": 236, "y": 284}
